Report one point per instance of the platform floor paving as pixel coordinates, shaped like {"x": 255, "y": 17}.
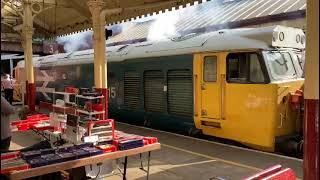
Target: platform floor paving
{"x": 187, "y": 158}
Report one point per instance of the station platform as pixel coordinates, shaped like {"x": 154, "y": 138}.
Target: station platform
{"x": 183, "y": 157}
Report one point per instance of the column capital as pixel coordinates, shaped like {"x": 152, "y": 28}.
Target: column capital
{"x": 26, "y": 2}
{"x": 96, "y": 6}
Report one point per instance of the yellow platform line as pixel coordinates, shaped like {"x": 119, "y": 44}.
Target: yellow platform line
{"x": 212, "y": 142}
{"x": 211, "y": 157}
{"x": 207, "y": 156}
{"x": 214, "y": 158}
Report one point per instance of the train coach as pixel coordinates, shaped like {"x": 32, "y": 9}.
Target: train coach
{"x": 239, "y": 84}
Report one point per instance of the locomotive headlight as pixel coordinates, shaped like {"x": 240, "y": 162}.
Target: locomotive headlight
{"x": 281, "y": 36}
{"x": 298, "y": 38}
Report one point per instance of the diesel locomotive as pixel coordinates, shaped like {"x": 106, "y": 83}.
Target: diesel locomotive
{"x": 240, "y": 84}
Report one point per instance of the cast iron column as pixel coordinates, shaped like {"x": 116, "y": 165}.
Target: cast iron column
{"x": 311, "y": 120}
{"x": 99, "y": 45}
{"x": 27, "y": 32}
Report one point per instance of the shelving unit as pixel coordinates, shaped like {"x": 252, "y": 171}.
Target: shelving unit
{"x": 102, "y": 128}
{"x": 66, "y": 100}
{"x": 91, "y": 112}
{"x": 56, "y": 116}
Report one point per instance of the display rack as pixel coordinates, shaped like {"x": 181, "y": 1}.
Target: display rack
{"x": 66, "y": 99}
{"x": 59, "y": 119}
{"x": 90, "y": 112}
{"x": 91, "y": 116}
{"x": 103, "y": 129}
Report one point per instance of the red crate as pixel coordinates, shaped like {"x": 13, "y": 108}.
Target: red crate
{"x": 36, "y": 116}
{"x": 43, "y": 128}
{"x": 16, "y": 168}
{"x": 23, "y": 127}
{"x": 151, "y": 140}
{"x": 274, "y": 173}
{"x": 107, "y": 148}
{"x": 10, "y": 155}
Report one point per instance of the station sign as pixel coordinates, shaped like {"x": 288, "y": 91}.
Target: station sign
{"x": 50, "y": 48}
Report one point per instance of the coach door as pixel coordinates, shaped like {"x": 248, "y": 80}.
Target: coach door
{"x": 209, "y": 81}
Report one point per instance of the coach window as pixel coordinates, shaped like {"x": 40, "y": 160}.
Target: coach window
{"x": 244, "y": 68}
{"x": 210, "y": 69}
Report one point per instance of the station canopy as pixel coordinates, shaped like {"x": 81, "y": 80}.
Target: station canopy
{"x": 63, "y": 17}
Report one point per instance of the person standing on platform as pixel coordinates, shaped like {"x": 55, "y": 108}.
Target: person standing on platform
{"x": 6, "y": 111}
{"x": 7, "y": 84}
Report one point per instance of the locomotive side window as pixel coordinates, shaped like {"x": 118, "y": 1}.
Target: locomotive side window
{"x": 244, "y": 68}
{"x": 210, "y": 69}
{"x": 237, "y": 67}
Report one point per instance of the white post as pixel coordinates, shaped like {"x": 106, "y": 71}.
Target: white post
{"x": 11, "y": 68}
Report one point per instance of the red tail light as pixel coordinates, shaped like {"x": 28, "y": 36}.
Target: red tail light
{"x": 296, "y": 98}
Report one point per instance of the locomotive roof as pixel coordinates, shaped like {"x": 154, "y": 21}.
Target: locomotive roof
{"x": 222, "y": 40}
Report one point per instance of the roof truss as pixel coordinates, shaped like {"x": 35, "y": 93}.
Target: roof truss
{"x": 62, "y": 17}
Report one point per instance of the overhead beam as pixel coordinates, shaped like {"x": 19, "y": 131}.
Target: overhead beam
{"x": 10, "y": 36}
{"x": 16, "y": 47}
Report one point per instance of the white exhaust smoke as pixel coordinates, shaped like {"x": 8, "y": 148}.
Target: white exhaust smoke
{"x": 76, "y": 41}
{"x": 83, "y": 40}
{"x": 164, "y": 25}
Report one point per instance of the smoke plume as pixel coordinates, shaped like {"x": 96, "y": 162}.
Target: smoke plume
{"x": 83, "y": 40}
{"x": 164, "y": 26}
{"x": 161, "y": 26}
{"x": 75, "y": 42}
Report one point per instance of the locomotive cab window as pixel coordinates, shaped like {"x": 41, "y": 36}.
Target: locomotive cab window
{"x": 244, "y": 68}
{"x": 280, "y": 64}
{"x": 210, "y": 69}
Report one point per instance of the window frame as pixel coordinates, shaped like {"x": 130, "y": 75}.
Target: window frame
{"x": 262, "y": 66}
{"x": 271, "y": 76}
{"x": 203, "y": 71}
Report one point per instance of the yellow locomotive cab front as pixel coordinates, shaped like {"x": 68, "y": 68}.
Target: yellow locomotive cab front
{"x": 245, "y": 96}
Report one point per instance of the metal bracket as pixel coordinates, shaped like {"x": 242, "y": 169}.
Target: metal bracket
{"x": 203, "y": 86}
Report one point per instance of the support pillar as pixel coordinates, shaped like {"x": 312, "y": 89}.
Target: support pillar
{"x": 99, "y": 45}
{"x": 11, "y": 67}
{"x": 311, "y": 121}
{"x": 27, "y": 32}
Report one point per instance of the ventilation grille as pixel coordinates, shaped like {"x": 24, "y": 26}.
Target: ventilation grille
{"x": 180, "y": 92}
{"x": 153, "y": 91}
{"x": 131, "y": 90}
